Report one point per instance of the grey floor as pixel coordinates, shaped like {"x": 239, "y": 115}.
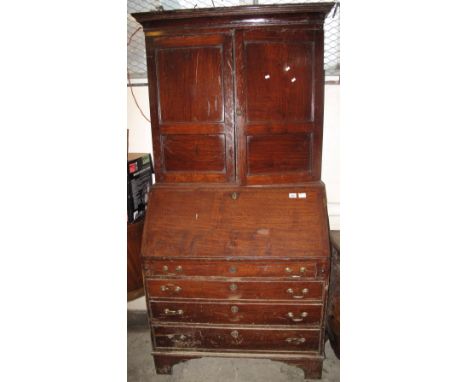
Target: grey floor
{"x": 140, "y": 366}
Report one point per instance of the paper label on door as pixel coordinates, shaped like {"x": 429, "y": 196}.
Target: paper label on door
{"x": 292, "y": 195}
{"x": 302, "y": 195}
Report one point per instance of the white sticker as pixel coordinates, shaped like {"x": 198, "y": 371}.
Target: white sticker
{"x": 302, "y": 195}
{"x": 292, "y": 195}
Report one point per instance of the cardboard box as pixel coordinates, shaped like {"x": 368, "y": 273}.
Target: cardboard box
{"x": 139, "y": 182}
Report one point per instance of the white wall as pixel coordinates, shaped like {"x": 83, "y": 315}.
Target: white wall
{"x": 331, "y": 153}
{"x": 140, "y": 141}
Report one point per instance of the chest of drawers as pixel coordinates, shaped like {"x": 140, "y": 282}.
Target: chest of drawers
{"x": 235, "y": 248}
{"x": 237, "y": 271}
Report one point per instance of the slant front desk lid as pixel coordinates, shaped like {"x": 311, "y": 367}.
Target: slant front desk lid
{"x": 289, "y": 221}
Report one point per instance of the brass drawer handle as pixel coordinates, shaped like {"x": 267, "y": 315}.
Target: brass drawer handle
{"x": 169, "y": 312}
{"x": 295, "y": 340}
{"x": 233, "y": 287}
{"x": 234, "y": 309}
{"x": 174, "y": 337}
{"x": 234, "y": 195}
{"x": 169, "y": 287}
{"x": 297, "y": 319}
{"x": 291, "y": 291}
{"x": 234, "y": 334}
{"x": 302, "y": 271}
{"x": 165, "y": 269}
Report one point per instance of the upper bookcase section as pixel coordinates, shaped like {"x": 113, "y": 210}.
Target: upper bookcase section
{"x": 236, "y": 94}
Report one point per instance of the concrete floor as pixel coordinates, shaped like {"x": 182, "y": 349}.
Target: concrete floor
{"x": 140, "y": 366}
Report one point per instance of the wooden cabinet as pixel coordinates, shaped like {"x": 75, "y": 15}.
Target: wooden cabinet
{"x": 134, "y": 274}
{"x": 235, "y": 247}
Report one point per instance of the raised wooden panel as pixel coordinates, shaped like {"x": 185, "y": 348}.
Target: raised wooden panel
{"x": 278, "y": 153}
{"x": 194, "y": 152}
{"x": 190, "y": 84}
{"x": 279, "y": 105}
{"x": 191, "y": 101}
{"x": 279, "y": 81}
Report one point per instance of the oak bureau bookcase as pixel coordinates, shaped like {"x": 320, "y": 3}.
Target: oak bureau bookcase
{"x": 235, "y": 247}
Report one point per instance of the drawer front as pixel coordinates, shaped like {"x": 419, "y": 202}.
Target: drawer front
{"x": 315, "y": 269}
{"x": 234, "y": 289}
{"x": 236, "y": 313}
{"x": 200, "y": 337}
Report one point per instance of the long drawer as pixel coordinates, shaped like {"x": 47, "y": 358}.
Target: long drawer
{"x": 236, "y": 313}
{"x": 234, "y": 289}
{"x": 199, "y": 337}
{"x": 316, "y": 269}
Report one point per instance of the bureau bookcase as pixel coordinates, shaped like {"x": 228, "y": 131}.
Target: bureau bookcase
{"x": 235, "y": 247}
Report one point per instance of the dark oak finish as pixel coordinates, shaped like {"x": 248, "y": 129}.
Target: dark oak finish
{"x": 191, "y": 104}
{"x": 237, "y": 312}
{"x": 316, "y": 269}
{"x": 333, "y": 314}
{"x": 233, "y": 222}
{"x": 278, "y": 153}
{"x": 236, "y": 248}
{"x": 235, "y": 289}
{"x": 248, "y": 79}
{"x": 194, "y": 153}
{"x": 278, "y": 89}
{"x": 311, "y": 364}
{"x": 134, "y": 271}
{"x": 190, "y": 91}
{"x": 254, "y": 338}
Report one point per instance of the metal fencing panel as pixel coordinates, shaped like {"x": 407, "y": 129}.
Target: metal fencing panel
{"x": 136, "y": 59}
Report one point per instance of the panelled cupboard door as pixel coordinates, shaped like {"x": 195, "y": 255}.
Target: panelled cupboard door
{"x": 191, "y": 98}
{"x": 279, "y": 105}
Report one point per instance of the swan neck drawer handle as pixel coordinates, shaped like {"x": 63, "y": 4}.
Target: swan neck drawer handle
{"x": 169, "y": 312}
{"x": 169, "y": 287}
{"x": 302, "y": 271}
{"x": 295, "y": 340}
{"x": 297, "y": 319}
{"x": 291, "y": 291}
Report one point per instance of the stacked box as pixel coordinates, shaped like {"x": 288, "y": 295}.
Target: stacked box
{"x": 139, "y": 182}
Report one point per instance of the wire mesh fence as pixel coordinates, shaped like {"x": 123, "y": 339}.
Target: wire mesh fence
{"x": 136, "y": 59}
